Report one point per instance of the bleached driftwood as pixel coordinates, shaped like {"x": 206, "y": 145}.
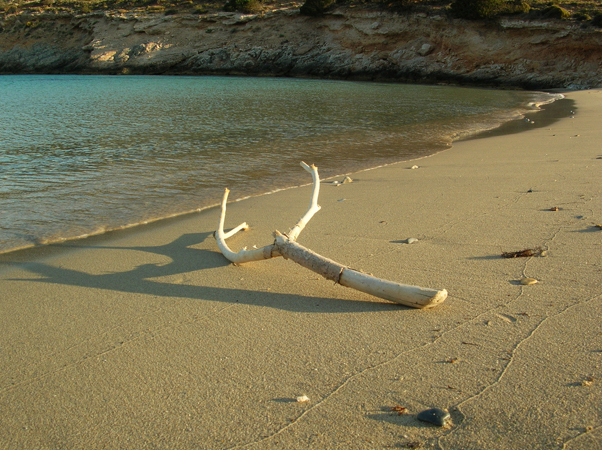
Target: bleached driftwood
{"x": 285, "y": 245}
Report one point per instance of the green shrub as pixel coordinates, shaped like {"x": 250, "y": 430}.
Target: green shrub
{"x": 597, "y": 21}
{"x": 8, "y": 8}
{"x": 556, "y": 12}
{"x": 400, "y": 3}
{"x": 583, "y": 17}
{"x": 517, "y": 7}
{"x": 245, "y": 6}
{"x": 315, "y": 7}
{"x": 476, "y": 9}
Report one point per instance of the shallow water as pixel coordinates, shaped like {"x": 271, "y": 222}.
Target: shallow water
{"x": 83, "y": 154}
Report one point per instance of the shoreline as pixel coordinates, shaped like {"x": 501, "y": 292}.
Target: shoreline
{"x": 505, "y": 127}
{"x": 150, "y": 338}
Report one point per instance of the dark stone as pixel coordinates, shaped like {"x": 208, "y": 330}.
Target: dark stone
{"x": 437, "y": 416}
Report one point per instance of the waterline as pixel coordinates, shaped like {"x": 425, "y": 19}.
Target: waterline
{"x": 81, "y": 155}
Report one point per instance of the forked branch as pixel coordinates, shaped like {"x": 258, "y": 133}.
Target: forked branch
{"x": 294, "y": 233}
{"x": 286, "y": 246}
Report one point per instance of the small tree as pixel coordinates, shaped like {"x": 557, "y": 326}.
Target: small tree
{"x": 315, "y": 7}
{"x": 556, "y": 12}
{"x": 476, "y": 9}
{"x": 516, "y": 7}
{"x": 245, "y": 6}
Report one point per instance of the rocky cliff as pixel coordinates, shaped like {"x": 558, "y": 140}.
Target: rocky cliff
{"x": 347, "y": 43}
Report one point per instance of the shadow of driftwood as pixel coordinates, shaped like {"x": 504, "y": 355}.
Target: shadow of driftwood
{"x": 185, "y": 259}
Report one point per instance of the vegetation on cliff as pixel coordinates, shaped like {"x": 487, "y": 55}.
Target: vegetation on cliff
{"x": 585, "y": 11}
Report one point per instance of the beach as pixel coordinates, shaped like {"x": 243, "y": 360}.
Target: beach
{"x": 150, "y": 338}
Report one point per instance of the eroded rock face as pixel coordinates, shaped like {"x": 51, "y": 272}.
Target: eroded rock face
{"x": 347, "y": 43}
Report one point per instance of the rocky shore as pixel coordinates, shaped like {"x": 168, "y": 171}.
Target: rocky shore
{"x": 347, "y": 43}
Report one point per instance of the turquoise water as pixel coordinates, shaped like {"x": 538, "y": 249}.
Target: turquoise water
{"x": 84, "y": 154}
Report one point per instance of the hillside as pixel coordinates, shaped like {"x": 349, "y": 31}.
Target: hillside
{"x": 348, "y": 42}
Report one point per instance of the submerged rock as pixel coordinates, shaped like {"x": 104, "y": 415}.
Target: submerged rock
{"x": 437, "y": 416}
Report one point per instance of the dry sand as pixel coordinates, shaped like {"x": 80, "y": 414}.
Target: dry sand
{"x": 149, "y": 339}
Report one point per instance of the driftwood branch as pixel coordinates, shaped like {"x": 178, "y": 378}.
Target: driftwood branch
{"x": 285, "y": 245}
{"x": 294, "y": 233}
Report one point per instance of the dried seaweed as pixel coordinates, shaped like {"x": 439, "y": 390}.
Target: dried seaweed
{"x": 400, "y": 409}
{"x": 523, "y": 253}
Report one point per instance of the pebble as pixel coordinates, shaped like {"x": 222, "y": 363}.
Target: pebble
{"x": 411, "y": 240}
{"x": 528, "y": 281}
{"x": 588, "y": 381}
{"x": 437, "y": 416}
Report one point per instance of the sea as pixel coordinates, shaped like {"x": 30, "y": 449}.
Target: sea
{"x": 83, "y": 155}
